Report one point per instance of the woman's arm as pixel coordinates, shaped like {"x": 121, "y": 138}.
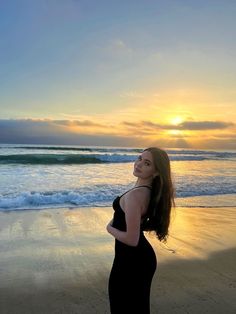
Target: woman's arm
{"x": 133, "y": 209}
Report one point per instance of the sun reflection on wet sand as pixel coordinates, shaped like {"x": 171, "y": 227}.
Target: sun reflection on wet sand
{"x": 65, "y": 255}
{"x": 198, "y": 232}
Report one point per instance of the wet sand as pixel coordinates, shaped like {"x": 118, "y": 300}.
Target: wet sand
{"x": 58, "y": 261}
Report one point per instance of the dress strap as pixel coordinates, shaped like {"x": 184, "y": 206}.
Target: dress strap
{"x": 140, "y": 186}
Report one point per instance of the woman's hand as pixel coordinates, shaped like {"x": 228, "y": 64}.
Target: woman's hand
{"x": 109, "y": 226}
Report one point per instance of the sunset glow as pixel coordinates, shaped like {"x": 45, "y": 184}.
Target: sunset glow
{"x": 176, "y": 120}
{"x": 74, "y": 73}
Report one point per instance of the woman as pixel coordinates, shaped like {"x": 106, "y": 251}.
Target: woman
{"x": 146, "y": 207}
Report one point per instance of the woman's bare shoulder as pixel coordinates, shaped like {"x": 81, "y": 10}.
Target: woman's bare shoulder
{"x": 139, "y": 197}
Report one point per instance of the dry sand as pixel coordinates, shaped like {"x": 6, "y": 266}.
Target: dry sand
{"x": 58, "y": 261}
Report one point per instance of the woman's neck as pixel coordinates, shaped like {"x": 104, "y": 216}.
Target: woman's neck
{"x": 147, "y": 182}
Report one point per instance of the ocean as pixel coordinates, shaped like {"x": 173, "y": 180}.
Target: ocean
{"x": 52, "y": 176}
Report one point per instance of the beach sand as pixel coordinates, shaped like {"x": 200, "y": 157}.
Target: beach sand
{"x": 58, "y": 261}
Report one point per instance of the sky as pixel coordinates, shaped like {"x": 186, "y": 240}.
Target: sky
{"x": 118, "y": 73}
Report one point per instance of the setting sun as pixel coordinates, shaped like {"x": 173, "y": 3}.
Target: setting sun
{"x": 176, "y": 120}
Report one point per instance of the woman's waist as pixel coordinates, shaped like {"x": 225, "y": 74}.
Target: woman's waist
{"x": 142, "y": 242}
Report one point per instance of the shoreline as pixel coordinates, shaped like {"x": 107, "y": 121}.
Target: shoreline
{"x": 197, "y": 201}
{"x": 58, "y": 261}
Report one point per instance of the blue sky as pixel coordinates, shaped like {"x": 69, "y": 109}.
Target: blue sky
{"x": 119, "y": 62}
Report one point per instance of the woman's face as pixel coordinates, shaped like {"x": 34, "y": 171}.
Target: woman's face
{"x": 144, "y": 166}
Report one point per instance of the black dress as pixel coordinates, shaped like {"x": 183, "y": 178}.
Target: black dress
{"x": 132, "y": 271}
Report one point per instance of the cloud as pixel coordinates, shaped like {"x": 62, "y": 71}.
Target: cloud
{"x": 126, "y": 133}
{"x": 84, "y": 123}
{"x": 229, "y": 136}
{"x": 131, "y": 94}
{"x": 186, "y": 125}
{"x": 142, "y": 124}
{"x": 25, "y": 128}
{"x": 29, "y": 131}
{"x": 203, "y": 125}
